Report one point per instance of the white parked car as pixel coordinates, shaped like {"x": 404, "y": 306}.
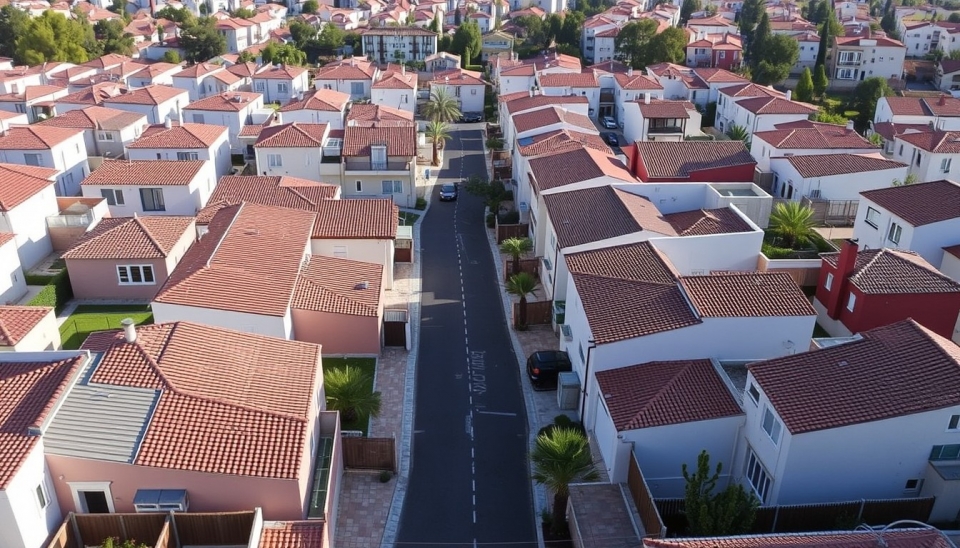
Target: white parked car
{"x": 608, "y": 122}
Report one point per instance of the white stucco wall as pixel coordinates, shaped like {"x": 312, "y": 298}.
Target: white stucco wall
{"x": 232, "y": 120}
{"x": 367, "y": 250}
{"x": 273, "y": 326}
{"x": 333, "y": 119}
{"x": 218, "y": 153}
{"x": 836, "y": 187}
{"x": 295, "y": 162}
{"x": 403, "y": 99}
{"x": 951, "y": 266}
{"x": 29, "y": 222}
{"x": 44, "y": 336}
{"x": 23, "y": 523}
{"x": 13, "y": 285}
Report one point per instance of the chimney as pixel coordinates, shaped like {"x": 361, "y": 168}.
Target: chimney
{"x": 630, "y": 71}
{"x": 646, "y": 98}
{"x": 789, "y": 95}
{"x": 850, "y": 124}
{"x": 531, "y": 92}
{"x": 403, "y": 70}
{"x": 846, "y": 263}
{"x": 943, "y": 100}
{"x": 167, "y": 123}
{"x": 129, "y": 330}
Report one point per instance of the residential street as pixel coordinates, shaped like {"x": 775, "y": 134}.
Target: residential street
{"x": 469, "y": 481}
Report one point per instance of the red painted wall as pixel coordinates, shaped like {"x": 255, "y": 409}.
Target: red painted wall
{"x": 733, "y": 174}
{"x": 730, "y": 59}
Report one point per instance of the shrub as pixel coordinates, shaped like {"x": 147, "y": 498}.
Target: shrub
{"x": 55, "y": 293}
{"x": 385, "y": 476}
{"x": 562, "y": 421}
{"x": 421, "y": 204}
{"x": 38, "y": 279}
{"x": 509, "y": 218}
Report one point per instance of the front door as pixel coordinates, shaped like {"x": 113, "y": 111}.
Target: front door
{"x": 94, "y": 502}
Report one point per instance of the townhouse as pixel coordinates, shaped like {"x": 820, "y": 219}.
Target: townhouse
{"x": 380, "y": 161}
{"x": 152, "y": 187}
{"x": 184, "y": 142}
{"x": 715, "y": 51}
{"x": 805, "y": 138}
{"x": 829, "y": 176}
{"x": 27, "y": 198}
{"x": 947, "y": 78}
{"x": 398, "y": 44}
{"x": 37, "y": 102}
{"x": 941, "y": 112}
{"x": 197, "y": 79}
{"x": 232, "y": 110}
{"x": 93, "y": 95}
{"x": 28, "y": 329}
{"x": 295, "y": 149}
{"x": 659, "y": 120}
{"x": 395, "y": 87}
{"x": 629, "y": 87}
{"x": 690, "y": 161}
{"x": 62, "y": 149}
{"x": 584, "y": 84}
{"x": 158, "y": 103}
{"x": 280, "y": 84}
{"x": 923, "y": 37}
{"x": 152, "y": 74}
{"x": 756, "y": 108}
{"x": 106, "y": 131}
{"x": 466, "y": 86}
{"x": 13, "y": 283}
{"x": 855, "y": 58}
{"x": 929, "y": 154}
{"x": 354, "y": 76}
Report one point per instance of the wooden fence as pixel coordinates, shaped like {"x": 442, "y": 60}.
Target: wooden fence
{"x": 224, "y": 529}
{"x": 370, "y": 453}
{"x": 815, "y": 517}
{"x": 511, "y": 231}
{"x": 142, "y": 528}
{"x": 538, "y": 312}
{"x": 649, "y": 515}
{"x": 530, "y": 266}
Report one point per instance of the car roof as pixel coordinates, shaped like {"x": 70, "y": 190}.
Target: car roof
{"x": 448, "y": 185}
{"x": 551, "y": 355}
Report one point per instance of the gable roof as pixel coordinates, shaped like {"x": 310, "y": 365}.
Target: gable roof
{"x": 19, "y": 183}
{"x": 367, "y": 114}
{"x": 17, "y": 321}
{"x": 827, "y": 165}
{"x": 818, "y": 136}
{"x": 543, "y": 117}
{"x": 228, "y": 101}
{"x": 180, "y": 136}
{"x": 339, "y": 286}
{"x": 664, "y": 108}
{"x": 292, "y": 135}
{"x": 284, "y": 72}
{"x": 681, "y": 158}
{"x": 150, "y": 95}
{"x": 776, "y": 105}
{"x": 746, "y": 295}
{"x": 96, "y": 117}
{"x": 940, "y": 142}
{"x": 703, "y": 222}
{"x": 36, "y": 137}
{"x": 326, "y": 100}
{"x": 943, "y": 105}
{"x": 458, "y": 77}
{"x": 400, "y": 140}
{"x": 891, "y": 371}
{"x": 145, "y": 172}
{"x": 527, "y": 102}
{"x": 893, "y": 271}
{"x": 95, "y": 94}
{"x": 922, "y": 538}
{"x": 568, "y": 79}
{"x": 574, "y": 166}
{"x": 198, "y": 69}
{"x": 352, "y": 68}
{"x": 921, "y": 203}
{"x": 560, "y": 140}
{"x": 636, "y": 81}
{"x": 600, "y": 213}
{"x": 150, "y": 237}
{"x": 396, "y": 79}
{"x": 659, "y": 394}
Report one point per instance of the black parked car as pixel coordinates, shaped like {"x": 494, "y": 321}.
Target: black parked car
{"x": 448, "y": 192}
{"x": 544, "y": 366}
{"x": 471, "y": 117}
{"x": 611, "y": 139}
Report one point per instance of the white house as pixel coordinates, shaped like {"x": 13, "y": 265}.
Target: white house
{"x": 584, "y": 84}
{"x": 13, "y": 284}
{"x": 353, "y": 76}
{"x": 236, "y": 31}
{"x": 397, "y": 88}
{"x": 855, "y": 58}
{"x": 525, "y": 102}
{"x": 59, "y": 148}
{"x": 155, "y": 73}
{"x": 380, "y": 160}
{"x": 807, "y": 138}
{"x": 922, "y": 217}
{"x": 834, "y": 177}
{"x": 27, "y": 198}
{"x": 232, "y": 110}
{"x": 184, "y": 142}
{"x": 158, "y": 103}
{"x": 152, "y": 187}
{"x": 323, "y": 106}
{"x": 947, "y": 78}
{"x": 195, "y": 79}
{"x": 941, "y": 112}
{"x": 700, "y": 86}
{"x": 659, "y": 120}
{"x": 93, "y": 95}
{"x": 930, "y": 154}
{"x": 297, "y": 150}
{"x": 466, "y": 86}
{"x": 812, "y": 435}
{"x": 28, "y": 329}
{"x": 386, "y": 44}
{"x": 923, "y": 37}
{"x": 630, "y": 87}
{"x": 757, "y": 108}
{"x": 10, "y": 119}
{"x": 280, "y": 84}
{"x": 106, "y": 131}
{"x": 37, "y": 102}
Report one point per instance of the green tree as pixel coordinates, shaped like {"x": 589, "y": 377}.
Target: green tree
{"x": 792, "y": 222}
{"x": 729, "y": 512}
{"x": 826, "y": 117}
{"x": 302, "y": 32}
{"x": 114, "y": 542}
{"x": 749, "y": 17}
{"x": 865, "y": 98}
{"x": 172, "y": 56}
{"x": 467, "y": 42}
{"x": 243, "y": 13}
{"x": 437, "y": 132}
{"x": 571, "y": 29}
{"x": 779, "y": 55}
{"x": 561, "y": 457}
{"x": 283, "y": 54}
{"x": 331, "y": 37}
{"x": 908, "y": 180}
{"x": 804, "y": 91}
{"x": 13, "y": 23}
{"x": 811, "y": 12}
{"x": 688, "y": 8}
{"x": 820, "y": 81}
{"x": 889, "y": 21}
{"x": 201, "y": 41}
{"x": 516, "y": 248}
{"x": 246, "y": 57}
{"x": 347, "y": 391}
{"x": 435, "y": 24}
{"x": 738, "y": 133}
{"x": 204, "y": 9}
{"x": 442, "y": 107}
{"x": 632, "y": 42}
{"x": 113, "y": 37}
{"x": 311, "y": 6}
{"x": 954, "y": 17}
{"x": 670, "y": 46}
{"x": 179, "y": 16}
{"x": 53, "y": 37}
{"x": 521, "y": 285}
{"x": 761, "y": 35}
{"x": 824, "y": 42}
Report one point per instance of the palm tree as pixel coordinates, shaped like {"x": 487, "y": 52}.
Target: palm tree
{"x": 442, "y": 107}
{"x": 561, "y": 457}
{"x": 908, "y": 180}
{"x": 347, "y": 391}
{"x": 521, "y": 285}
{"x": 516, "y": 248}
{"x": 738, "y": 133}
{"x": 437, "y": 132}
{"x": 792, "y": 222}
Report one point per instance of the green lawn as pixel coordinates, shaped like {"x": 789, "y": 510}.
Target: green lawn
{"x": 407, "y": 218}
{"x": 89, "y": 318}
{"x": 368, "y": 366}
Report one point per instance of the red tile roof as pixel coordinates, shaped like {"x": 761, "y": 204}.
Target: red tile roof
{"x": 924, "y": 538}
{"x": 197, "y": 70}
{"x": 659, "y": 394}
{"x": 150, "y": 237}
{"x": 703, "y": 222}
{"x": 660, "y": 108}
{"x": 17, "y": 321}
{"x": 636, "y": 81}
{"x": 326, "y": 100}
{"x": 31, "y": 93}
{"x": 628, "y": 291}
{"x": 574, "y": 166}
{"x": 250, "y": 250}
{"x": 285, "y": 72}
{"x": 28, "y": 394}
{"x": 95, "y": 94}
{"x": 292, "y": 135}
{"x": 746, "y": 295}
{"x": 19, "y": 183}
{"x": 243, "y": 70}
{"x": 681, "y": 158}
{"x": 357, "y": 219}
{"x": 776, "y": 105}
{"x": 348, "y": 69}
{"x": 398, "y": 31}
{"x": 919, "y": 204}
{"x": 749, "y": 89}
{"x": 180, "y": 136}
{"x": 292, "y": 534}
{"x": 944, "y": 105}
{"x": 568, "y": 79}
{"x": 396, "y": 79}
{"x": 145, "y": 172}
{"x": 6, "y": 237}
{"x": 543, "y": 117}
{"x": 94, "y": 117}
{"x": 107, "y": 61}
{"x": 526, "y": 102}
{"x": 561, "y": 140}
{"x": 940, "y": 142}
{"x": 369, "y": 114}
{"x": 893, "y": 271}
{"x": 229, "y": 101}
{"x": 150, "y": 95}
{"x": 401, "y": 141}
{"x": 896, "y": 370}
{"x": 36, "y": 137}
{"x": 231, "y": 402}
{"x": 600, "y": 213}
{"x": 458, "y": 77}
{"x": 889, "y": 130}
{"x": 832, "y": 137}
{"x": 339, "y": 286}
{"x": 952, "y": 250}
{"x": 827, "y": 165}
{"x": 718, "y": 75}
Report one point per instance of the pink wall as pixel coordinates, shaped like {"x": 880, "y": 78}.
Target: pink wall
{"x": 97, "y": 279}
{"x": 338, "y": 333}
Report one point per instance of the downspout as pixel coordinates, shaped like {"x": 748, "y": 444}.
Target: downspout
{"x": 556, "y": 270}
{"x": 586, "y": 378}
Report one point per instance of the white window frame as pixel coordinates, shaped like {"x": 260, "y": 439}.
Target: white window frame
{"x": 39, "y": 159}
{"x": 945, "y": 165}
{"x": 282, "y": 87}
{"x": 895, "y": 233}
{"x": 772, "y": 425}
{"x": 953, "y": 425}
{"x": 754, "y": 468}
{"x": 829, "y": 281}
{"x": 105, "y": 136}
{"x": 187, "y": 156}
{"x": 42, "y": 496}
{"x": 128, "y": 270}
{"x": 112, "y": 193}
{"x": 396, "y": 187}
{"x": 872, "y": 217}
{"x": 77, "y": 487}
{"x": 275, "y": 160}
{"x": 754, "y": 393}
{"x": 851, "y": 302}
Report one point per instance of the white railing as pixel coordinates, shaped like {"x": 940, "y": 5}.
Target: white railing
{"x": 66, "y": 221}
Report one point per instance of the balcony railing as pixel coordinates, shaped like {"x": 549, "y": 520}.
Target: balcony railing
{"x": 665, "y": 129}
{"x": 66, "y": 221}
{"x": 848, "y": 62}
{"x": 377, "y": 166}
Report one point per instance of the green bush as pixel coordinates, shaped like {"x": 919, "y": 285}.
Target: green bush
{"x": 421, "y": 204}
{"x": 562, "y": 421}
{"x": 38, "y": 279}
{"x": 55, "y": 293}
{"x": 491, "y": 220}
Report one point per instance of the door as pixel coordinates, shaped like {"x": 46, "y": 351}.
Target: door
{"x": 94, "y": 502}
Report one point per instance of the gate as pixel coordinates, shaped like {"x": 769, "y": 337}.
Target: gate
{"x": 369, "y": 453}
{"x": 395, "y": 327}
{"x": 403, "y": 245}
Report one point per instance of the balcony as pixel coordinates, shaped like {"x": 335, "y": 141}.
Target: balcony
{"x": 848, "y": 62}
{"x": 76, "y": 216}
{"x": 363, "y": 165}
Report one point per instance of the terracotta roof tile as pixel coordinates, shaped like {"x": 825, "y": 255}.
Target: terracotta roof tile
{"x": 250, "y": 250}
{"x": 357, "y": 219}
{"x": 18, "y": 183}
{"x": 31, "y": 93}
{"x": 826, "y": 165}
{"x": 339, "y": 286}
{"x": 943, "y": 105}
{"x": 197, "y": 70}
{"x": 776, "y": 105}
{"x": 286, "y": 72}
{"x": 94, "y": 117}
{"x": 292, "y": 135}
{"x": 395, "y": 79}
{"x": 526, "y": 102}
{"x": 746, "y": 295}
{"x": 660, "y": 108}
{"x": 703, "y": 222}
{"x": 273, "y": 191}
{"x": 833, "y": 137}
{"x": 347, "y": 69}
{"x": 368, "y": 113}
{"x": 919, "y": 204}
{"x": 718, "y": 75}
{"x": 180, "y": 136}
{"x": 568, "y": 79}
{"x": 401, "y": 141}
{"x": 543, "y": 117}
{"x": 220, "y": 410}
{"x": 145, "y": 172}
{"x": 875, "y": 41}
{"x": 6, "y": 237}
{"x": 940, "y": 142}
{"x": 107, "y": 61}
{"x": 326, "y": 100}
{"x": 399, "y": 31}
{"x": 149, "y": 95}
{"x": 681, "y": 158}
{"x": 560, "y": 140}
{"x": 17, "y": 321}
{"x": 36, "y": 137}
{"x": 636, "y": 81}
{"x": 659, "y": 394}
{"x": 896, "y": 370}
{"x": 594, "y": 214}
{"x": 924, "y": 538}
{"x": 574, "y": 166}
{"x": 458, "y": 77}
{"x": 889, "y": 130}
{"x": 893, "y": 271}
{"x": 749, "y": 89}
{"x": 150, "y": 237}
{"x": 230, "y": 101}
{"x": 95, "y": 94}
{"x": 243, "y": 70}
{"x": 28, "y": 394}
{"x": 952, "y": 250}
{"x": 292, "y": 534}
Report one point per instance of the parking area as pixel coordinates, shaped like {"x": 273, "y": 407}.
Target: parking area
{"x": 606, "y": 132}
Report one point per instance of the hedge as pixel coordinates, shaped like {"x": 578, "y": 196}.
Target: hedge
{"x": 56, "y": 292}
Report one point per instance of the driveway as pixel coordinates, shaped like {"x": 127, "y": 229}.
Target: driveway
{"x": 469, "y": 480}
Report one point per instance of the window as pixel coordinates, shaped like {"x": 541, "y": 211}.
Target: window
{"x": 846, "y": 74}
{"x": 583, "y": 358}
{"x": 392, "y": 187}
{"x": 723, "y": 55}
{"x": 851, "y": 302}
{"x": 873, "y": 216}
{"x": 754, "y": 393}
{"x": 894, "y": 234}
{"x": 260, "y": 86}
{"x": 135, "y": 274}
{"x": 198, "y": 118}
{"x": 105, "y": 136}
{"x": 772, "y": 425}
{"x": 41, "y": 496}
{"x": 113, "y": 196}
{"x": 473, "y": 91}
{"x": 954, "y": 423}
{"x": 340, "y": 251}
{"x": 275, "y": 160}
{"x": 356, "y": 88}
{"x": 32, "y": 160}
{"x": 901, "y": 151}
{"x": 945, "y": 452}
{"x": 945, "y": 165}
{"x": 829, "y": 282}
{"x": 152, "y": 199}
{"x": 912, "y": 485}
{"x": 188, "y": 156}
{"x": 21, "y": 109}
{"x": 282, "y": 87}
{"x": 359, "y": 186}
{"x": 757, "y": 476}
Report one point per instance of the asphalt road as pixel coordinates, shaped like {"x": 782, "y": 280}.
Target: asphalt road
{"x": 469, "y": 484}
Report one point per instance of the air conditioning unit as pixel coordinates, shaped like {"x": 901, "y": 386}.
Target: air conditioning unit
{"x": 161, "y": 500}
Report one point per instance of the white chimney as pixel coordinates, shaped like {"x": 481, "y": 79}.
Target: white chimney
{"x": 630, "y": 71}
{"x": 403, "y": 70}
{"x": 850, "y": 124}
{"x": 167, "y": 123}
{"x": 789, "y": 94}
{"x": 646, "y": 98}
{"x": 129, "y": 330}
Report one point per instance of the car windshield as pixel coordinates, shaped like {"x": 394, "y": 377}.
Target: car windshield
{"x": 447, "y": 188}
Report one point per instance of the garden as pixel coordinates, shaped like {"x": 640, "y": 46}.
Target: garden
{"x": 88, "y": 319}
{"x": 791, "y": 235}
